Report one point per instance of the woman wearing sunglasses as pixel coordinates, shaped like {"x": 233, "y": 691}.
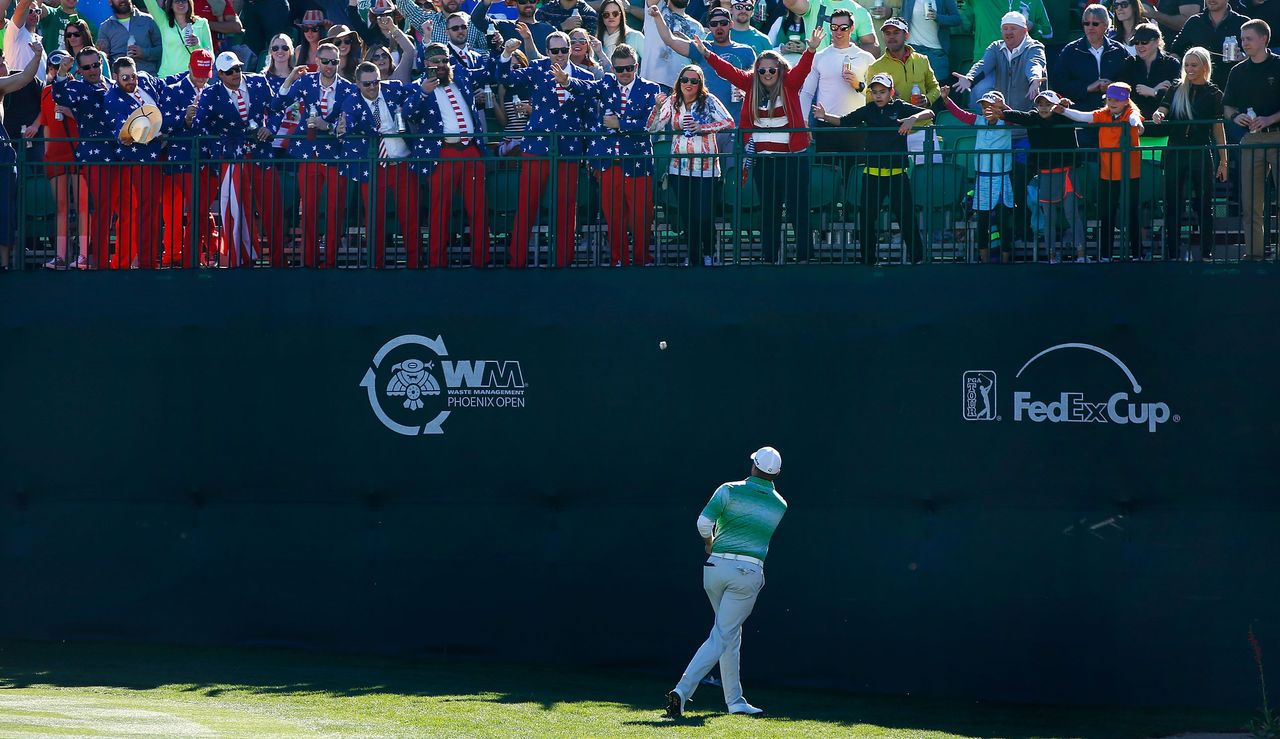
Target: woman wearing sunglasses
{"x": 313, "y": 27}
{"x": 181, "y": 32}
{"x": 391, "y": 66}
{"x": 76, "y": 36}
{"x": 772, "y": 101}
{"x": 1127, "y": 15}
{"x": 695, "y": 162}
{"x": 586, "y": 52}
{"x": 350, "y": 50}
{"x": 613, "y": 30}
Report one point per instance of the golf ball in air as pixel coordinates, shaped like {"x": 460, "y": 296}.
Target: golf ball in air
{"x": 662, "y": 345}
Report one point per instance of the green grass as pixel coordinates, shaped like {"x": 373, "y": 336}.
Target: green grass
{"x": 58, "y": 689}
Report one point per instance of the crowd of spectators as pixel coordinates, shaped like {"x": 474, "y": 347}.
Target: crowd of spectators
{"x": 640, "y": 95}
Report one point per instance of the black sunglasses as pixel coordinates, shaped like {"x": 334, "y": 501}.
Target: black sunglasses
{"x": 346, "y": 41}
{"x": 624, "y": 68}
{"x": 233, "y": 70}
{"x": 279, "y": 48}
{"x": 311, "y": 29}
{"x": 841, "y": 26}
{"x": 368, "y": 83}
{"x": 611, "y": 14}
{"x": 558, "y": 50}
{"x": 690, "y": 81}
{"x": 457, "y": 28}
{"x": 328, "y": 62}
{"x": 87, "y": 67}
{"x": 1091, "y": 23}
{"x": 767, "y": 70}
{"x": 76, "y": 34}
{"x": 1120, "y": 5}
{"x": 380, "y": 57}
{"x": 718, "y": 24}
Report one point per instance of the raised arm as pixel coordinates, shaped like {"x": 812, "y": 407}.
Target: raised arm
{"x": 18, "y": 81}
{"x": 408, "y": 53}
{"x": 678, "y": 45}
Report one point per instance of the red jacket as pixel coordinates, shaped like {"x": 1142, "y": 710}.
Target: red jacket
{"x": 791, "y": 84}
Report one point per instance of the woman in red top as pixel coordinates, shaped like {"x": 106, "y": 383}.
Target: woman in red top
{"x": 772, "y": 101}
{"x": 67, "y": 181}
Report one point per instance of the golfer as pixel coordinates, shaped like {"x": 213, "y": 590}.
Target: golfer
{"x": 736, "y": 527}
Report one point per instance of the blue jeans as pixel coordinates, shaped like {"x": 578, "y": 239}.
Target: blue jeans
{"x": 940, "y": 63}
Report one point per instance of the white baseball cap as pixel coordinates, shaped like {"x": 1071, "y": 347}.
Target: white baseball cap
{"x": 227, "y": 61}
{"x": 767, "y": 460}
{"x": 994, "y": 97}
{"x": 881, "y": 79}
{"x": 1014, "y": 18}
{"x": 1051, "y": 96}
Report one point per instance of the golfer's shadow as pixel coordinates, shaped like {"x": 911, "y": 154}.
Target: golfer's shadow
{"x": 667, "y": 723}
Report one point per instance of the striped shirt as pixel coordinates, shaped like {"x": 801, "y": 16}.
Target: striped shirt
{"x": 746, "y": 514}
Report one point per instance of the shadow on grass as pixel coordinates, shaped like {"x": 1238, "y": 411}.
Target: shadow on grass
{"x": 217, "y": 672}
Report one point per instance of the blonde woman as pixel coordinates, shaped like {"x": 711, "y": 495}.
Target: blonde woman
{"x": 1189, "y": 158}
{"x": 695, "y": 163}
{"x": 772, "y": 101}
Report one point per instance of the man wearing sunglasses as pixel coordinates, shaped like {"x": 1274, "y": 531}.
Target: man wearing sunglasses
{"x": 838, "y": 81}
{"x": 84, "y": 97}
{"x": 1086, "y": 66}
{"x": 134, "y": 187}
{"x": 8, "y": 157}
{"x": 743, "y": 32}
{"x": 375, "y": 120}
{"x": 239, "y": 115}
{"x": 451, "y": 154}
{"x": 626, "y": 185}
{"x": 321, "y": 95}
{"x": 722, "y": 44}
{"x": 555, "y": 109}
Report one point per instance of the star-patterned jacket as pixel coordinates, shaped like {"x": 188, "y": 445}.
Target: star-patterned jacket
{"x": 632, "y": 135}
{"x": 424, "y": 112}
{"x": 306, "y": 90}
{"x": 549, "y": 113}
{"x": 119, "y": 105}
{"x": 86, "y": 101}
{"x": 231, "y": 137}
{"x": 177, "y": 96}
{"x": 360, "y": 128}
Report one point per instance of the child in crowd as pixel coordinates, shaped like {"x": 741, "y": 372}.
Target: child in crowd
{"x": 992, "y": 189}
{"x": 1053, "y": 140}
{"x": 1117, "y": 109}
{"x": 886, "y": 175}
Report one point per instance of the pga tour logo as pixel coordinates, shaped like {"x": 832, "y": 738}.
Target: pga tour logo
{"x": 413, "y": 388}
{"x": 1122, "y": 408}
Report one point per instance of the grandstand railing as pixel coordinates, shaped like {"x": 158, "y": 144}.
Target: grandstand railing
{"x": 941, "y": 173}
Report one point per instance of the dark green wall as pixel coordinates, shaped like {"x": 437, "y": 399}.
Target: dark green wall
{"x": 191, "y": 457}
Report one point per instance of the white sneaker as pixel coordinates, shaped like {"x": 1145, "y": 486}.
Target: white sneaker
{"x": 80, "y": 263}
{"x": 746, "y": 709}
{"x": 55, "y": 263}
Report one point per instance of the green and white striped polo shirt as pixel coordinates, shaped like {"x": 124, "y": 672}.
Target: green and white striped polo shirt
{"x": 746, "y": 514}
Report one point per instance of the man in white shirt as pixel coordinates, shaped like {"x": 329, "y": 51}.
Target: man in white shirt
{"x": 22, "y": 106}
{"x": 663, "y": 64}
{"x": 378, "y": 113}
{"x": 837, "y": 81}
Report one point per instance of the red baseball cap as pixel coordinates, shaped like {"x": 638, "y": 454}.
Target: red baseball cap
{"x": 202, "y": 63}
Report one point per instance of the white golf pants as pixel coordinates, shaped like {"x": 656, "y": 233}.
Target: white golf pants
{"x": 732, "y": 587}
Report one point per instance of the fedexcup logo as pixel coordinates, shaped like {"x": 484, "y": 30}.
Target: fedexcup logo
{"x": 406, "y": 394}
{"x": 1123, "y": 407}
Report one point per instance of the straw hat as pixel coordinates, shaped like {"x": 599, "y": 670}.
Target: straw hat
{"x": 143, "y": 124}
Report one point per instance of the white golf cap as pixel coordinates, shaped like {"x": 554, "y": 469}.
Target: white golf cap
{"x": 881, "y": 79}
{"x": 767, "y": 460}
{"x": 227, "y": 61}
{"x": 993, "y": 97}
{"x": 1014, "y": 18}
{"x": 1052, "y": 97}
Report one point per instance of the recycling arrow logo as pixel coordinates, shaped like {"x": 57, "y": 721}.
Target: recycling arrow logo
{"x": 409, "y": 383}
